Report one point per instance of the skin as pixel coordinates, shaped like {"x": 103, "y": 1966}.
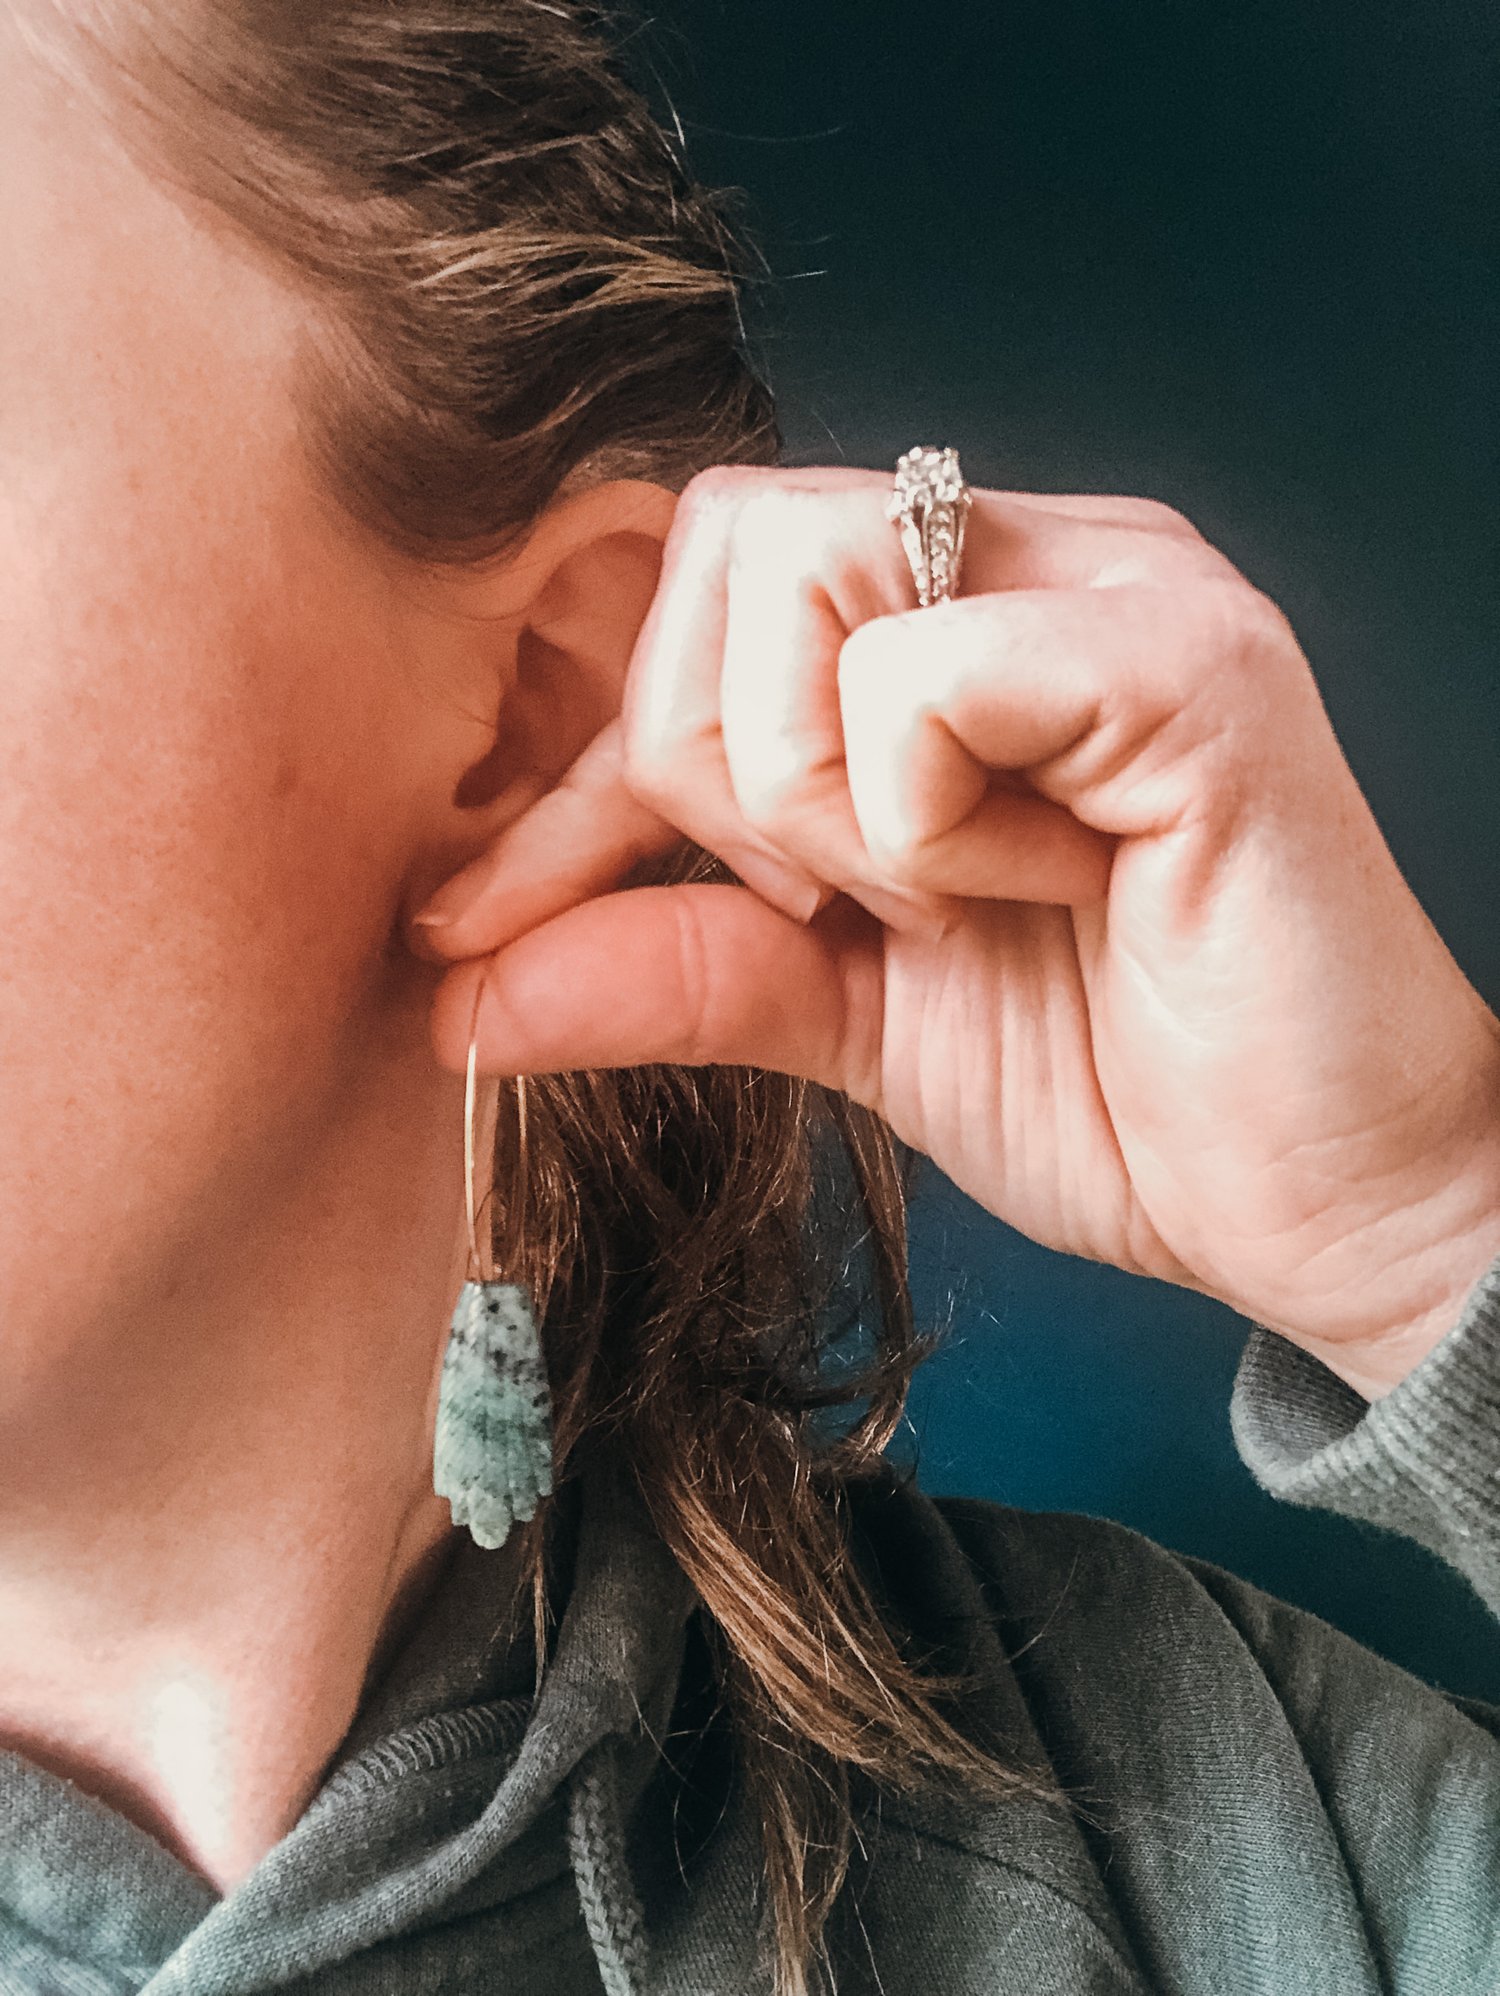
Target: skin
{"x": 1073, "y": 885}
{"x": 1135, "y": 995}
{"x": 231, "y": 1197}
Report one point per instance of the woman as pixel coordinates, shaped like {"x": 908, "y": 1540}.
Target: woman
{"x": 393, "y": 526}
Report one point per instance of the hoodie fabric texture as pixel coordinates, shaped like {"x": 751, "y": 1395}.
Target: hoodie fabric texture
{"x": 1260, "y": 1806}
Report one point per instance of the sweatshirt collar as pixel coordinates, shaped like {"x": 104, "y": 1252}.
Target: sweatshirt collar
{"x": 436, "y": 1793}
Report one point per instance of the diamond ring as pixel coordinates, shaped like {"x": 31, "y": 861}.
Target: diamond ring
{"x": 930, "y": 505}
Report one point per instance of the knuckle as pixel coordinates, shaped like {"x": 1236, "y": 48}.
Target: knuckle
{"x": 1159, "y": 516}
{"x": 1232, "y": 687}
{"x": 1243, "y": 626}
{"x": 1154, "y": 517}
{"x": 1264, "y": 622}
{"x": 647, "y": 768}
{"x": 1168, "y": 547}
{"x": 795, "y": 798}
{"x": 1017, "y": 622}
{"x": 759, "y": 521}
{"x": 700, "y": 990}
{"x": 1270, "y": 666}
{"x": 883, "y": 645}
{"x": 709, "y": 487}
{"x": 770, "y": 520}
{"x": 719, "y": 488}
{"x": 902, "y": 864}
{"x": 768, "y": 795}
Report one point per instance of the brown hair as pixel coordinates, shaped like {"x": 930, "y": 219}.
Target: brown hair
{"x": 514, "y": 286}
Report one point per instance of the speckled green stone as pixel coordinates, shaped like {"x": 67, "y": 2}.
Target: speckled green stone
{"x": 492, "y": 1453}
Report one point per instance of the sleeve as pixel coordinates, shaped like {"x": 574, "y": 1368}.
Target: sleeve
{"x": 1423, "y": 1461}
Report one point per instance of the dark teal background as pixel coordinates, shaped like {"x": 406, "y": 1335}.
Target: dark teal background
{"x": 1240, "y": 258}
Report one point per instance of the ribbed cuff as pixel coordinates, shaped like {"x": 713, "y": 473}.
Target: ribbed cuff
{"x": 1424, "y": 1460}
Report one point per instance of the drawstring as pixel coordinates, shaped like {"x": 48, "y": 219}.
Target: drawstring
{"x": 606, "y": 1891}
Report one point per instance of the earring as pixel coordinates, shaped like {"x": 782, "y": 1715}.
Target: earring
{"x": 492, "y": 1450}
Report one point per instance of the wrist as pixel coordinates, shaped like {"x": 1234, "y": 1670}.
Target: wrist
{"x": 1373, "y": 1369}
{"x": 1437, "y": 1284}
{"x": 1406, "y": 1272}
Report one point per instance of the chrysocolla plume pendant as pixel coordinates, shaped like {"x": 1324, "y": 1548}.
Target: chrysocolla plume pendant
{"x": 492, "y": 1452}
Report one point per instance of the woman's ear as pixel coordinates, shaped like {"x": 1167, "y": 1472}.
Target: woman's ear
{"x": 571, "y": 605}
{"x": 528, "y": 656}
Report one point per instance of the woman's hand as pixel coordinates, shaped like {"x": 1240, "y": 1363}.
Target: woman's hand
{"x": 1116, "y": 939}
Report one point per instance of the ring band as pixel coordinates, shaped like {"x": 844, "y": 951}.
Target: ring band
{"x": 930, "y": 505}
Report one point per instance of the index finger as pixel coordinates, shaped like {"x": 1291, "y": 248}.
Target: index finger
{"x": 579, "y": 839}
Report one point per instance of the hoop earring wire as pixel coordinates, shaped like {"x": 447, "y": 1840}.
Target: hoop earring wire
{"x": 484, "y": 1261}
{"x": 492, "y": 1449}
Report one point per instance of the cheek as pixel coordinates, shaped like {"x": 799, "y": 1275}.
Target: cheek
{"x": 198, "y": 867}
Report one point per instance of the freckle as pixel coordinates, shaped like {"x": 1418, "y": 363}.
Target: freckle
{"x": 286, "y": 778}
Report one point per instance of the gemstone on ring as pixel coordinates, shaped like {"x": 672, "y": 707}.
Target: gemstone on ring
{"x": 930, "y": 505}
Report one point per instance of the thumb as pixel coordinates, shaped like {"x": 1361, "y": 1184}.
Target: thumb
{"x": 695, "y": 975}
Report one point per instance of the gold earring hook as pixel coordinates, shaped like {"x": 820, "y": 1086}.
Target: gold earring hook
{"x": 486, "y": 1264}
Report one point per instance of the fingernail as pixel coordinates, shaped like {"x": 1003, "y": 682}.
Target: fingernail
{"x": 452, "y": 901}
{"x": 905, "y": 913}
{"x": 426, "y": 931}
{"x": 803, "y": 900}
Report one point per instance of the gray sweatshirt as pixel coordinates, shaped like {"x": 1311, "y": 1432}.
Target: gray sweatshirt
{"x": 1267, "y": 1808}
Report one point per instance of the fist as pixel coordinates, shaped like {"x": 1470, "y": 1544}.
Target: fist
{"x": 1069, "y": 879}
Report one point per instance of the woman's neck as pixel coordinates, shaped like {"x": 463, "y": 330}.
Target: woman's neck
{"x": 217, "y": 1504}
